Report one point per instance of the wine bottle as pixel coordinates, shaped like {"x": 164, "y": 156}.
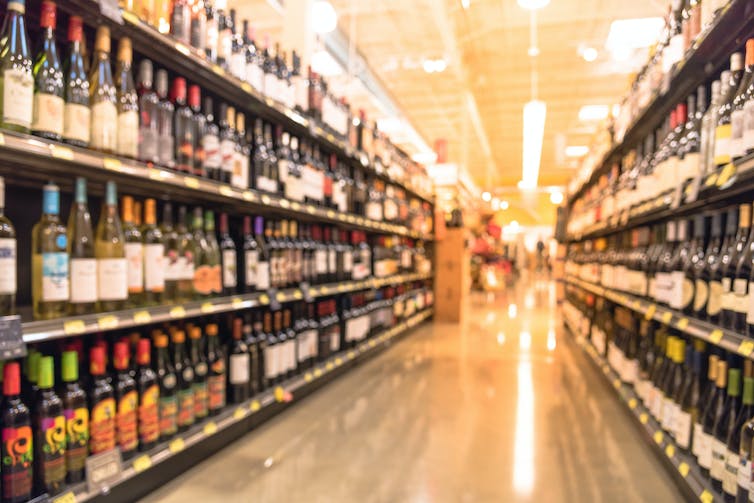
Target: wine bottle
{"x": 254, "y": 72}
{"x": 212, "y": 254}
{"x": 238, "y": 54}
{"x": 198, "y": 27}
{"x": 294, "y": 189}
{"x": 743, "y": 478}
{"x": 50, "y": 433}
{"x": 270, "y": 352}
{"x": 180, "y": 21}
{"x": 76, "y": 415}
{"x": 211, "y": 142}
{"x": 148, "y": 392}
{"x": 224, "y": 35}
{"x": 31, "y": 373}
{"x": 154, "y": 252}
{"x": 687, "y": 399}
{"x": 211, "y": 32}
{"x": 250, "y": 257}
{"x": 736, "y": 421}
{"x": 126, "y": 400}
{"x": 8, "y": 257}
{"x": 238, "y": 366}
{"x": 149, "y": 104}
{"x": 16, "y": 77}
{"x": 202, "y": 269}
{"x": 102, "y": 412}
{"x": 723, "y": 128}
{"x": 719, "y": 421}
{"x": 283, "y": 154}
{"x": 49, "y": 259}
{"x": 103, "y": 97}
{"x": 166, "y": 111}
{"x": 109, "y": 248}
{"x": 730, "y": 262}
{"x": 737, "y": 147}
{"x": 227, "y": 142}
{"x": 83, "y": 264}
{"x": 172, "y": 254}
{"x": 701, "y": 441}
{"x": 292, "y": 342}
{"x": 228, "y": 258}
{"x": 47, "y": 118}
{"x": 17, "y": 451}
{"x": 184, "y": 130}
{"x": 168, "y": 381}
{"x": 76, "y": 113}
{"x": 201, "y": 370}
{"x": 134, "y": 248}
{"x": 696, "y": 271}
{"x": 260, "y": 161}
{"x": 185, "y": 374}
{"x": 741, "y": 284}
{"x": 186, "y": 255}
{"x": 241, "y": 160}
{"x": 216, "y": 378}
{"x": 714, "y": 268}
{"x": 199, "y": 125}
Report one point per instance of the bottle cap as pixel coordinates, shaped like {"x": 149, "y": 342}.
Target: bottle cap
{"x": 125, "y": 51}
{"x": 111, "y": 194}
{"x": 717, "y": 224}
{"x": 70, "y": 366}
{"x": 97, "y": 360}
{"x": 48, "y": 15}
{"x": 121, "y": 355}
{"x": 211, "y": 329}
{"x": 258, "y": 226}
{"x": 195, "y": 333}
{"x": 102, "y": 39}
{"x": 179, "y": 337}
{"x": 209, "y": 221}
{"x": 734, "y": 382}
{"x": 46, "y": 372}
{"x": 194, "y": 97}
{"x": 681, "y": 113}
{"x": 11, "y": 379}
{"x": 146, "y": 72}
{"x": 150, "y": 212}
{"x": 179, "y": 89}
{"x": 81, "y": 190}
{"x": 32, "y": 366}
{"x": 209, "y": 110}
{"x": 75, "y": 29}
{"x": 247, "y": 225}
{"x": 223, "y": 222}
{"x": 237, "y": 328}
{"x": 161, "y": 341}
{"x": 142, "y": 352}
{"x": 736, "y": 62}
{"x": 722, "y": 373}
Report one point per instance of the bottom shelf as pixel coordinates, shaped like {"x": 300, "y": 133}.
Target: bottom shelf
{"x": 683, "y": 466}
{"x": 148, "y": 471}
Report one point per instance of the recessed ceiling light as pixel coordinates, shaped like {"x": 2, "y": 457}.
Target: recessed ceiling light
{"x": 324, "y": 17}
{"x": 593, "y": 113}
{"x": 556, "y": 197}
{"x": 533, "y": 51}
{"x": 576, "y": 151}
{"x": 465, "y": 4}
{"x": 504, "y": 205}
{"x": 589, "y": 54}
{"x": 533, "y": 4}
{"x": 486, "y": 196}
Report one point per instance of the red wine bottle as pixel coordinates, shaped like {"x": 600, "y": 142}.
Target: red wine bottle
{"x": 17, "y": 452}
{"x": 127, "y": 400}
{"x": 76, "y": 418}
{"x": 149, "y": 397}
{"x": 101, "y": 404}
{"x": 49, "y": 433}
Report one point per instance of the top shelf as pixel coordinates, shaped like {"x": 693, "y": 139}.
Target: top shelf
{"x": 186, "y": 60}
{"x": 710, "y": 52}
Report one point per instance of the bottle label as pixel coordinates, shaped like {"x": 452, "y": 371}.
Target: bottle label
{"x": 739, "y": 297}
{"x": 201, "y": 399}
{"x": 736, "y": 145}
{"x": 749, "y": 303}
{"x": 50, "y": 444}
{"x": 54, "y": 276}
{"x": 17, "y": 462}
{"x": 212, "y": 37}
{"x": 255, "y": 76}
{"x": 334, "y": 339}
{"x": 154, "y": 267}
{"x": 696, "y": 444}
{"x": 135, "y": 261}
{"x": 722, "y": 144}
{"x": 227, "y": 154}
{"x": 682, "y": 428}
{"x": 83, "y": 280}
{"x": 211, "y": 145}
{"x": 238, "y": 65}
{"x": 320, "y": 259}
{"x": 270, "y": 362}
{"x": 185, "y": 407}
{"x": 203, "y": 281}
{"x": 229, "y": 269}
{"x": 293, "y": 188}
{"x": 302, "y": 93}
{"x": 18, "y": 101}
{"x": 8, "y": 259}
{"x": 168, "y": 416}
{"x": 744, "y": 474}
{"x": 128, "y": 134}
{"x": 263, "y": 275}
{"x": 166, "y": 150}
{"x": 748, "y": 135}
{"x": 730, "y": 477}
{"x": 701, "y": 294}
{"x": 216, "y": 386}
{"x": 48, "y": 113}
{"x": 104, "y": 130}
{"x": 239, "y": 368}
{"x": 173, "y": 265}
{"x": 714, "y": 304}
{"x": 112, "y": 274}
{"x": 267, "y": 184}
{"x": 251, "y": 263}
{"x": 76, "y": 122}
{"x": 102, "y": 429}
{"x": 125, "y": 423}
{"x": 271, "y": 85}
{"x": 717, "y": 467}
{"x": 149, "y": 415}
{"x": 225, "y": 46}
{"x": 240, "y": 173}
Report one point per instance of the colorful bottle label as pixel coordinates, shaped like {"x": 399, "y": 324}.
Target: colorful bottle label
{"x": 126, "y": 422}
{"x": 18, "y": 459}
{"x": 51, "y": 448}
{"x": 77, "y": 438}
{"x": 201, "y": 399}
{"x": 18, "y": 97}
{"x": 102, "y": 429}
{"x": 7, "y": 266}
{"x": 149, "y": 415}
{"x": 216, "y": 386}
{"x": 185, "y": 407}
{"x": 211, "y": 146}
{"x": 76, "y": 122}
{"x": 48, "y": 113}
{"x": 168, "y": 415}
{"x": 229, "y": 269}
{"x": 203, "y": 281}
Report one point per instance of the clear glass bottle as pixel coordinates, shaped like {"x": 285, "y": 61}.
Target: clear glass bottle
{"x": 50, "y": 280}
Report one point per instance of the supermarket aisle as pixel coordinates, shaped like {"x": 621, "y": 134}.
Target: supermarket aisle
{"x": 506, "y": 409}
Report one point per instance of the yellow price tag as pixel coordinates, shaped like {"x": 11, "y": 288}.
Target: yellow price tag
{"x": 746, "y": 348}
{"x": 372, "y": 343}
{"x": 643, "y": 418}
{"x": 670, "y": 450}
{"x": 67, "y": 497}
{"x": 338, "y": 361}
{"x": 616, "y": 383}
{"x": 142, "y": 463}
{"x": 246, "y": 87}
{"x": 298, "y": 295}
{"x": 2, "y": 139}
{"x": 264, "y": 299}
{"x": 341, "y": 287}
{"x": 716, "y": 335}
{"x": 207, "y": 308}
{"x": 706, "y": 497}
{"x": 191, "y": 182}
{"x": 239, "y": 413}
{"x": 249, "y": 195}
{"x": 324, "y": 290}
{"x": 658, "y": 436}
{"x": 280, "y": 297}
{"x": 279, "y": 394}
{"x": 111, "y": 163}
{"x": 177, "y": 445}
{"x": 683, "y": 468}
{"x": 142, "y": 317}
{"x": 632, "y": 403}
{"x": 265, "y": 199}
{"x": 226, "y": 191}
{"x": 255, "y": 406}
{"x": 61, "y": 152}
{"x": 728, "y": 171}
{"x": 711, "y": 179}
{"x": 210, "y": 428}
{"x": 178, "y": 312}
{"x": 667, "y": 317}
{"x": 317, "y": 372}
{"x": 651, "y": 310}
{"x": 329, "y": 366}
{"x": 312, "y": 292}
{"x": 308, "y": 377}
{"x": 296, "y": 206}
{"x": 351, "y": 355}
{"x": 236, "y": 303}
{"x": 182, "y": 49}
{"x": 218, "y": 70}
{"x": 155, "y": 174}
{"x": 72, "y": 327}
{"x": 330, "y": 214}
{"x": 311, "y": 209}
{"x": 284, "y": 203}
{"x": 682, "y": 323}
{"x": 107, "y": 322}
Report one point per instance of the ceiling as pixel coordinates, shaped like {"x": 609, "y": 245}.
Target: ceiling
{"x": 488, "y": 70}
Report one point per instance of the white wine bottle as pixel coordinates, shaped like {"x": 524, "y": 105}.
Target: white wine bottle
{"x": 102, "y": 96}
{"x": 49, "y": 272}
{"x": 154, "y": 252}
{"x": 128, "y": 102}
{"x": 110, "y": 250}
{"x": 8, "y": 256}
{"x": 83, "y": 264}
{"x": 134, "y": 252}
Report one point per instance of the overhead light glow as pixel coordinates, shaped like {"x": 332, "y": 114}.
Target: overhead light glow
{"x": 634, "y": 33}
{"x": 556, "y": 197}
{"x": 434, "y": 65}
{"x": 589, "y": 113}
{"x": 533, "y": 4}
{"x": 428, "y": 157}
{"x": 504, "y": 205}
{"x": 324, "y": 64}
{"x": 324, "y": 17}
{"x": 486, "y": 196}
{"x": 534, "y": 132}
{"x": 465, "y": 4}
{"x": 576, "y": 151}
{"x": 589, "y": 54}
{"x": 533, "y": 51}
{"x": 496, "y": 204}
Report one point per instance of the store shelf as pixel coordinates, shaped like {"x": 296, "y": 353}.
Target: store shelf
{"x": 711, "y": 52}
{"x": 185, "y": 60}
{"x": 726, "y": 339}
{"x": 39, "y": 331}
{"x": 36, "y": 160}
{"x": 683, "y": 466}
{"x": 149, "y": 470}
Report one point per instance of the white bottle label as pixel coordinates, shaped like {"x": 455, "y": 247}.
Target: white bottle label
{"x": 271, "y": 85}
{"x": 701, "y": 294}
{"x": 717, "y": 467}
{"x": 76, "y": 122}
{"x": 112, "y": 274}
{"x": 263, "y": 275}
{"x": 238, "y": 65}
{"x": 739, "y": 298}
{"x": 104, "y": 130}
{"x": 8, "y": 259}
{"x": 211, "y": 146}
{"x": 48, "y": 113}
{"x": 736, "y": 145}
{"x": 744, "y": 474}
{"x": 174, "y": 266}
{"x": 83, "y": 280}
{"x": 154, "y": 267}
{"x": 714, "y": 304}
{"x": 255, "y": 76}
{"x": 135, "y": 259}
{"x": 229, "y": 269}
{"x": 730, "y": 477}
{"x": 227, "y": 155}
{"x": 682, "y": 428}
{"x": 750, "y": 304}
{"x": 270, "y": 370}
{"x": 320, "y": 259}
{"x": 54, "y": 276}
{"x": 251, "y": 264}
{"x": 698, "y": 440}
{"x": 348, "y": 261}
{"x": 302, "y": 93}
{"x": 239, "y": 369}
{"x": 748, "y": 136}
{"x": 332, "y": 262}
{"x": 18, "y": 101}
{"x": 128, "y": 134}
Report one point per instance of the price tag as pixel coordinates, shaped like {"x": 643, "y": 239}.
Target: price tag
{"x": 351, "y": 355}
{"x": 632, "y": 403}
{"x": 264, "y": 299}
{"x": 155, "y": 174}
{"x": 274, "y": 297}
{"x": 716, "y": 335}
{"x": 249, "y": 195}
{"x": 11, "y": 338}
{"x": 658, "y": 436}
{"x": 191, "y": 182}
{"x": 682, "y": 323}
{"x": 61, "y": 152}
{"x": 324, "y": 290}
{"x": 330, "y": 214}
{"x": 111, "y": 163}
{"x": 142, "y": 317}
{"x": 667, "y": 317}
{"x": 239, "y": 413}
{"x": 178, "y": 312}
{"x": 295, "y": 206}
{"x": 265, "y": 199}
{"x": 66, "y": 497}
{"x": 107, "y": 322}
{"x": 650, "y": 312}
{"x": 297, "y": 294}
{"x": 308, "y": 377}
{"x": 177, "y": 445}
{"x": 210, "y": 428}
{"x": 142, "y": 463}
{"x": 616, "y": 383}
{"x": 255, "y": 406}
{"x": 281, "y": 297}
{"x": 338, "y": 361}
{"x": 318, "y": 372}
{"x": 103, "y": 469}
{"x": 725, "y": 175}
{"x": 746, "y": 348}
{"x": 329, "y": 366}
{"x": 279, "y": 394}
{"x": 226, "y": 191}
{"x": 643, "y": 418}
{"x": 246, "y": 87}
{"x": 218, "y": 70}
{"x": 311, "y": 209}
{"x": 2, "y": 139}
{"x": 670, "y": 450}
{"x": 710, "y": 180}
{"x": 706, "y": 497}
{"x": 207, "y": 308}
{"x": 236, "y": 303}
{"x": 284, "y": 203}
{"x": 372, "y": 343}
{"x": 341, "y": 287}
{"x": 683, "y": 468}
{"x": 73, "y": 327}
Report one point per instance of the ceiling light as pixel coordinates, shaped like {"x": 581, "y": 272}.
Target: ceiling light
{"x": 324, "y": 64}
{"x": 533, "y": 4}
{"x": 533, "y": 51}
{"x": 465, "y": 4}
{"x": 576, "y": 151}
{"x": 428, "y": 157}
{"x": 324, "y": 18}
{"x": 535, "y": 112}
{"x": 634, "y": 33}
{"x": 504, "y": 205}
{"x": 556, "y": 197}
{"x": 486, "y": 196}
{"x": 440, "y": 65}
{"x": 434, "y": 65}
{"x": 496, "y": 204}
{"x": 589, "y": 54}
{"x": 593, "y": 113}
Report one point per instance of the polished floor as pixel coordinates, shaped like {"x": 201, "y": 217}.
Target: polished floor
{"x": 504, "y": 408}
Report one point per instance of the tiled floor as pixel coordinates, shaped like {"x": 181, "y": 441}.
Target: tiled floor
{"x": 503, "y": 408}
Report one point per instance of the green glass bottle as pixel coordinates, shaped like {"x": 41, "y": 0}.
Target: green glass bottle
{"x": 49, "y": 259}
{"x": 83, "y": 265}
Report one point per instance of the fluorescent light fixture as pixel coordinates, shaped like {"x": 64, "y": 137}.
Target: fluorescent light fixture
{"x": 534, "y": 132}
{"x": 427, "y": 157}
{"x": 589, "y": 54}
{"x": 634, "y": 33}
{"x": 533, "y": 4}
{"x": 590, "y": 113}
{"x": 324, "y": 17}
{"x": 434, "y": 65}
{"x": 576, "y": 151}
{"x": 324, "y": 64}
{"x": 486, "y": 196}
{"x": 556, "y": 197}
{"x": 465, "y": 4}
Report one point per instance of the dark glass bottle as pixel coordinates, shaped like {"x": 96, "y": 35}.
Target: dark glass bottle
{"x": 696, "y": 267}
{"x": 216, "y": 379}
{"x": 76, "y": 415}
{"x": 184, "y": 129}
{"x": 745, "y": 444}
{"x": 228, "y": 142}
{"x": 50, "y": 435}
{"x": 238, "y": 365}
{"x": 199, "y": 122}
{"x": 201, "y": 370}
{"x": 714, "y": 256}
{"x": 730, "y": 263}
{"x": 250, "y": 339}
{"x": 687, "y": 399}
{"x": 149, "y": 397}
{"x": 736, "y": 422}
{"x": 291, "y": 353}
{"x": 168, "y": 405}
{"x": 723, "y": 423}
{"x": 270, "y": 352}
{"x": 228, "y": 257}
{"x": 701, "y": 446}
{"x": 211, "y": 142}
{"x": 101, "y": 404}
{"x": 17, "y": 451}
{"x": 184, "y": 371}
{"x": 250, "y": 258}
{"x": 126, "y": 399}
